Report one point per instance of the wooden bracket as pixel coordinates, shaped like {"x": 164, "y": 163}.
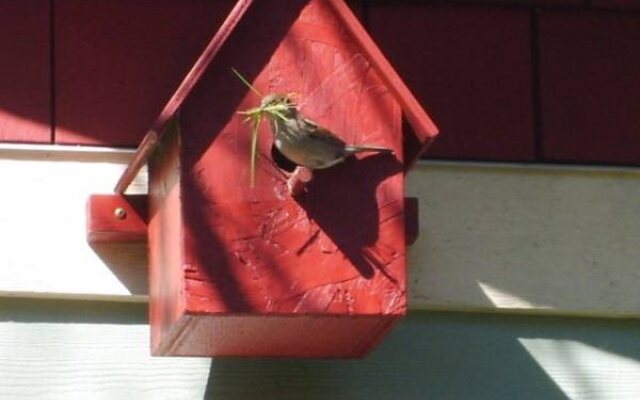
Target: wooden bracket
{"x": 123, "y": 218}
{"x": 117, "y": 218}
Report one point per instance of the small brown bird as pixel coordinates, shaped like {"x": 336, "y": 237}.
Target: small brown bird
{"x": 304, "y": 142}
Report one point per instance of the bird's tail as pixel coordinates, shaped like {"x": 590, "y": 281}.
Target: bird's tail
{"x": 367, "y": 148}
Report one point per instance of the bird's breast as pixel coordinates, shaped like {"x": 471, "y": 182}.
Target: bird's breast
{"x": 304, "y": 150}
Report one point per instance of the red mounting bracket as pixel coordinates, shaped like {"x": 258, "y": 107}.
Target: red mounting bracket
{"x": 123, "y": 218}
{"x": 117, "y": 218}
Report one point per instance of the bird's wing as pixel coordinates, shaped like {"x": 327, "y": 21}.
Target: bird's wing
{"x": 315, "y": 131}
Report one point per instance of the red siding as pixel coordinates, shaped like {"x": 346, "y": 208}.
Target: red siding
{"x": 25, "y": 91}
{"x": 471, "y": 68}
{"x": 590, "y": 75}
{"x": 548, "y": 3}
{"x": 618, "y": 4}
{"x": 118, "y": 62}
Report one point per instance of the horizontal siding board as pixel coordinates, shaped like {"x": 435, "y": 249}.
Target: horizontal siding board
{"x": 498, "y": 237}
{"x": 42, "y": 222}
{"x": 589, "y": 63}
{"x": 526, "y": 238}
{"x": 25, "y": 71}
{"x": 118, "y": 62}
{"x": 61, "y": 352}
{"x": 471, "y": 67}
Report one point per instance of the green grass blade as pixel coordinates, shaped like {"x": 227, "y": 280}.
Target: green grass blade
{"x": 254, "y": 148}
{"x": 246, "y": 82}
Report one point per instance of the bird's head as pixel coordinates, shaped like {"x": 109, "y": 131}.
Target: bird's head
{"x": 276, "y": 99}
{"x": 278, "y": 105}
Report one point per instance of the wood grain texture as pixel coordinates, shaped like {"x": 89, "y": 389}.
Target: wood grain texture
{"x": 421, "y": 123}
{"x": 342, "y": 13}
{"x": 64, "y": 351}
{"x": 505, "y": 238}
{"x": 25, "y": 71}
{"x": 324, "y": 271}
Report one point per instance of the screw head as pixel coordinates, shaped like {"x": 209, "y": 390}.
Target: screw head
{"x": 120, "y": 213}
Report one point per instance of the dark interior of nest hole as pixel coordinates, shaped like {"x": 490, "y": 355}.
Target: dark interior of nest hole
{"x": 281, "y": 161}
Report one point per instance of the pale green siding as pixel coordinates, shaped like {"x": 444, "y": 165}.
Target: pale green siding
{"x": 62, "y": 349}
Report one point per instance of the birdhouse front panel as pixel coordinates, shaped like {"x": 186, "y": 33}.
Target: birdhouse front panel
{"x": 259, "y": 270}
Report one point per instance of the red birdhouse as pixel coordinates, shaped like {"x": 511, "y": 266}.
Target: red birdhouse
{"x": 242, "y": 269}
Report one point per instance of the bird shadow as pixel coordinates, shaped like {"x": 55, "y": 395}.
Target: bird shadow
{"x": 342, "y": 201}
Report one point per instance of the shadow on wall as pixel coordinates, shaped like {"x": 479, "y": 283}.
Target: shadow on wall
{"x": 443, "y": 356}
{"x": 434, "y": 355}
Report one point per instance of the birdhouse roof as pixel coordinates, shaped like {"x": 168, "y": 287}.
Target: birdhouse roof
{"x": 340, "y": 15}
{"x": 422, "y": 125}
